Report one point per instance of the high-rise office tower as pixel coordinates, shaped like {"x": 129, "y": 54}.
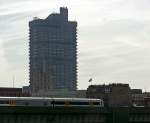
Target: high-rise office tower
{"x": 53, "y": 53}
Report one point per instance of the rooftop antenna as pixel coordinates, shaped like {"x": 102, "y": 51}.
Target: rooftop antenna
{"x": 145, "y": 89}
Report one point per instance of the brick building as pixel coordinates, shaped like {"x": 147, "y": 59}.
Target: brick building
{"x": 114, "y": 95}
{"x": 13, "y": 92}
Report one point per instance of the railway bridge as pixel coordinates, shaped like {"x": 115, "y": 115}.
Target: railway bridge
{"x": 10, "y": 114}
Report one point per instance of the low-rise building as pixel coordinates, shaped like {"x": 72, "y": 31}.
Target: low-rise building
{"x": 137, "y": 97}
{"x": 114, "y": 95}
{"x": 147, "y": 101}
{"x": 61, "y": 93}
{"x": 12, "y": 92}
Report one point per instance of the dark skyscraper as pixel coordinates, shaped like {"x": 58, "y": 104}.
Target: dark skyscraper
{"x": 53, "y": 53}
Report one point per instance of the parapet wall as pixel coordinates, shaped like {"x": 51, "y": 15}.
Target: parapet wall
{"x": 73, "y": 115}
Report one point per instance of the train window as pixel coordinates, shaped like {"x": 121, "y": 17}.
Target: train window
{"x": 4, "y": 102}
{"x": 67, "y": 103}
{"x": 96, "y": 103}
{"x": 58, "y": 103}
{"x": 45, "y": 103}
{"x": 61, "y": 103}
{"x": 26, "y": 103}
{"x": 75, "y": 103}
{"x": 79, "y": 103}
{"x": 85, "y": 103}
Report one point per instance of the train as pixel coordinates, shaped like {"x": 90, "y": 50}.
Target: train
{"x": 50, "y": 102}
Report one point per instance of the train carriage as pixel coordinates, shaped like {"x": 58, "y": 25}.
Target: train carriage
{"x": 53, "y": 102}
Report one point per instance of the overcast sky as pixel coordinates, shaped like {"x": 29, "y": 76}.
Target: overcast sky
{"x": 113, "y": 39}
